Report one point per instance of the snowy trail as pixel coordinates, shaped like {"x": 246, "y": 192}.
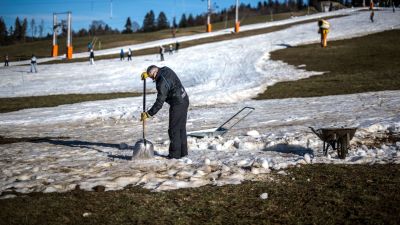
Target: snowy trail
{"x": 90, "y": 154}
{"x": 242, "y": 71}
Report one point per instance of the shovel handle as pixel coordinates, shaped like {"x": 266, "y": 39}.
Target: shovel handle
{"x": 144, "y": 107}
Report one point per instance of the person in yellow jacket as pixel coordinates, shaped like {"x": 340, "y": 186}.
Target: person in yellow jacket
{"x": 323, "y": 30}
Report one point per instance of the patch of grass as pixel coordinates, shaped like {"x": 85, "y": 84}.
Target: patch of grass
{"x": 23, "y": 51}
{"x": 14, "y": 104}
{"x": 312, "y": 194}
{"x": 364, "y": 64}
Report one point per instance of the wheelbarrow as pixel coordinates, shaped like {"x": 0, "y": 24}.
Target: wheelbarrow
{"x": 225, "y": 127}
{"x": 337, "y": 138}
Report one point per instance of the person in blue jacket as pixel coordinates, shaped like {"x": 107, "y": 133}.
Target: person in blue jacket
{"x": 121, "y": 54}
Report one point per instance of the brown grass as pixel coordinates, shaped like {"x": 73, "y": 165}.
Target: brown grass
{"x": 313, "y": 194}
{"x": 364, "y": 64}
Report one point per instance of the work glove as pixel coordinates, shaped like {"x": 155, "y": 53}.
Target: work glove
{"x": 144, "y": 116}
{"x": 144, "y": 75}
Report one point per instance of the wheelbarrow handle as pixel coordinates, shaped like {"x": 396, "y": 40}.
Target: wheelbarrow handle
{"x": 316, "y": 132}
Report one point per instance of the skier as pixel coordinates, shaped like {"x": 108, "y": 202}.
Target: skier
{"x": 170, "y": 90}
{"x": 33, "y": 64}
{"x": 129, "y": 55}
{"x": 161, "y": 51}
{"x": 371, "y": 17}
{"x": 6, "y": 60}
{"x": 323, "y": 30}
{"x": 91, "y": 57}
{"x": 171, "y": 49}
{"x": 121, "y": 55}
{"x": 177, "y": 46}
{"x": 89, "y": 46}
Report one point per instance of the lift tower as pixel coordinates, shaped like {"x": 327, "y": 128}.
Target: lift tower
{"x": 56, "y": 26}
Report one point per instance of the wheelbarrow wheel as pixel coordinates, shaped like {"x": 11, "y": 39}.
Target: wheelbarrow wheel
{"x": 342, "y": 148}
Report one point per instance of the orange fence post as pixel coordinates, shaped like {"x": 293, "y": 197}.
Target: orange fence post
{"x": 209, "y": 27}
{"x": 54, "y": 51}
{"x": 237, "y": 26}
{"x": 69, "y": 52}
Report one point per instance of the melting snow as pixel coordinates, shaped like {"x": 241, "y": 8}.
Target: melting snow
{"x": 92, "y": 142}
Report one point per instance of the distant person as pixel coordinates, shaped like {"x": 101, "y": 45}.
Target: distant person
{"x": 91, "y": 57}
{"x": 394, "y": 8}
{"x": 6, "y": 60}
{"x": 371, "y": 17}
{"x": 161, "y": 51}
{"x": 33, "y": 64}
{"x": 129, "y": 55}
{"x": 171, "y": 49}
{"x": 89, "y": 46}
{"x": 121, "y": 55}
{"x": 173, "y": 32}
{"x": 177, "y": 46}
{"x": 323, "y": 30}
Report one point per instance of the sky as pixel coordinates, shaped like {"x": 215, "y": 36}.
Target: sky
{"x": 85, "y": 11}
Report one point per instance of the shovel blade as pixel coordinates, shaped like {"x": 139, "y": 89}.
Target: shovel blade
{"x": 143, "y": 149}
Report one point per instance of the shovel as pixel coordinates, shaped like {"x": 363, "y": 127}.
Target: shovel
{"x": 143, "y": 148}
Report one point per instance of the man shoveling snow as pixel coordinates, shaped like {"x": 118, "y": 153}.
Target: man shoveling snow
{"x": 170, "y": 90}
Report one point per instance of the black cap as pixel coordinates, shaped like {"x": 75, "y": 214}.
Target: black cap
{"x": 150, "y": 68}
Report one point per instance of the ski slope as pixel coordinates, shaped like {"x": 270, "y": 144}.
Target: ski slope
{"x": 168, "y": 41}
{"x": 220, "y": 79}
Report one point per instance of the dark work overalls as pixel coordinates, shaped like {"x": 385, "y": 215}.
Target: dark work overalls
{"x": 170, "y": 90}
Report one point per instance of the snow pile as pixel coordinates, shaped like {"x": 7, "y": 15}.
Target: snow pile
{"x": 54, "y": 168}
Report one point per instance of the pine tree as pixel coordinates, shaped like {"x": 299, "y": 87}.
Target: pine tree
{"x": 149, "y": 22}
{"x": 162, "y": 21}
{"x": 3, "y": 31}
{"x": 300, "y": 4}
{"x": 270, "y": 3}
{"x": 128, "y": 26}
{"x": 259, "y": 6}
{"x": 17, "y": 29}
{"x": 24, "y": 28}
{"x": 183, "y": 22}
{"x": 174, "y": 24}
{"x": 190, "y": 21}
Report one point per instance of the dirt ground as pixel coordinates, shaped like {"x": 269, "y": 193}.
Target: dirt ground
{"x": 312, "y": 194}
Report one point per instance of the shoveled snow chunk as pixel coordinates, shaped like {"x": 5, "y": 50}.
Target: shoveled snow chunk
{"x": 307, "y": 157}
{"x": 86, "y": 214}
{"x": 264, "y": 196}
{"x": 253, "y": 133}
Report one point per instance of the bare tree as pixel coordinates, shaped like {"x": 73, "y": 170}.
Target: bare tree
{"x": 32, "y": 25}
{"x": 41, "y": 28}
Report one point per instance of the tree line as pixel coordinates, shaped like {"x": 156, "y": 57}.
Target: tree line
{"x": 19, "y": 31}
